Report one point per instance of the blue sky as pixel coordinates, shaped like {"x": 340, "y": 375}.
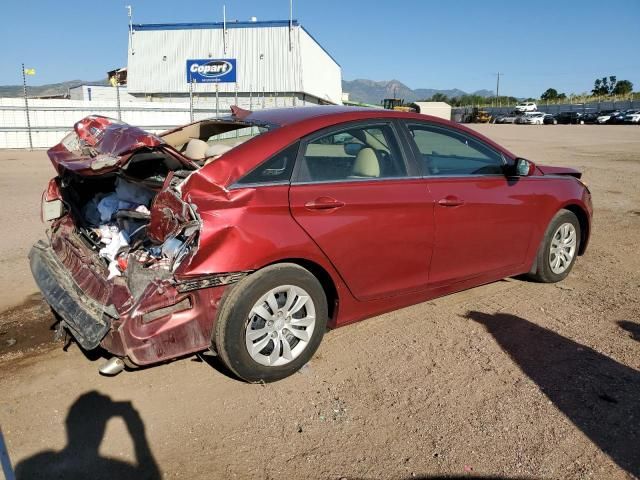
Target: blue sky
{"x": 453, "y": 44}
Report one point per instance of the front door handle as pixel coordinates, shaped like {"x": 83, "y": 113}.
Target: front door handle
{"x": 324, "y": 203}
{"x": 450, "y": 201}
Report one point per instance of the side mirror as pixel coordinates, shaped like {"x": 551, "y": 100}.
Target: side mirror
{"x": 523, "y": 167}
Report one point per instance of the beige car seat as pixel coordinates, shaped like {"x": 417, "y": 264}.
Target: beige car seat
{"x": 196, "y": 149}
{"x": 366, "y": 164}
{"x": 215, "y": 151}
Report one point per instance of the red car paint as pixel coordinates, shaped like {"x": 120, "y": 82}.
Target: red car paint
{"x": 109, "y": 145}
{"x": 379, "y": 246}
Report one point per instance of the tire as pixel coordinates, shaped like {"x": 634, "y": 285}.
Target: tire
{"x": 546, "y": 260}
{"x": 238, "y": 325}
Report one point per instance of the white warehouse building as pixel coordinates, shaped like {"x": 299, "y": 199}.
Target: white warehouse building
{"x": 263, "y": 64}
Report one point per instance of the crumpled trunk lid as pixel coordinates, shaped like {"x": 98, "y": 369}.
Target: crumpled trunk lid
{"x": 99, "y": 145}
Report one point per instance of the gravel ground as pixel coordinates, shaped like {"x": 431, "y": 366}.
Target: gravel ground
{"x": 511, "y": 380}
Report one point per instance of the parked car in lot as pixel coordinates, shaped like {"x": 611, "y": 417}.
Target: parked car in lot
{"x": 507, "y": 118}
{"x": 620, "y": 117}
{"x": 526, "y": 107}
{"x": 590, "y": 117}
{"x": 531, "y": 118}
{"x": 251, "y": 246}
{"x": 566, "y": 118}
{"x": 632, "y": 116}
{"x": 606, "y": 116}
{"x": 549, "y": 119}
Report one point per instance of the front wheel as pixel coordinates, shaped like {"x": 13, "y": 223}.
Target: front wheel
{"x": 559, "y": 249}
{"x": 271, "y": 323}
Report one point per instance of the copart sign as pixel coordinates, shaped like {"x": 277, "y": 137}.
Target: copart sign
{"x": 211, "y": 70}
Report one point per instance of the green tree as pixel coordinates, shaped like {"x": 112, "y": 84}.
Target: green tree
{"x": 623, "y": 87}
{"x": 549, "y": 95}
{"x": 605, "y": 86}
{"x": 439, "y": 97}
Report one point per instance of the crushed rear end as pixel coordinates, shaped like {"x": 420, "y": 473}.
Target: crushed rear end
{"x": 115, "y": 266}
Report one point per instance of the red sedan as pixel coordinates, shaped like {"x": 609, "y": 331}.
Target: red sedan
{"x": 249, "y": 235}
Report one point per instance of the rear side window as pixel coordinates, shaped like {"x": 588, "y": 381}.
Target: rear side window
{"x": 275, "y": 170}
{"x": 445, "y": 152}
{"x": 359, "y": 152}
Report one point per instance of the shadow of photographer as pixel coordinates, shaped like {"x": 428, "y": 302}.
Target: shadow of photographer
{"x": 599, "y": 395}
{"x": 80, "y": 459}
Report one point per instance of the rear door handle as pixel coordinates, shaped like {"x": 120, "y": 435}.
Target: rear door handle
{"x": 450, "y": 201}
{"x": 324, "y": 203}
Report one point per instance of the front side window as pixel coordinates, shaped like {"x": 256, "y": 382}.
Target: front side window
{"x": 446, "y": 152}
{"x": 358, "y": 152}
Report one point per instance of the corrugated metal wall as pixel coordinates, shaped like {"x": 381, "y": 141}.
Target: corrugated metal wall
{"x": 264, "y": 61}
{"x": 321, "y": 75}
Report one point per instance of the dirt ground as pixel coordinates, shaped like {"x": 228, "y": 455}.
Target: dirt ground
{"x": 510, "y": 380}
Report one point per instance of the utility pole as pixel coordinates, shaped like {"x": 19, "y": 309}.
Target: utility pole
{"x": 130, "y": 14}
{"x": 498, "y": 88}
{"x": 26, "y": 106}
{"x": 290, "y": 24}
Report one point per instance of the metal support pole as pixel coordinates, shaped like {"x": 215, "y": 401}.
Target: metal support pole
{"x": 217, "y": 101}
{"x": 237, "y": 130}
{"x": 118, "y": 97}
{"x": 290, "y": 24}
{"x": 26, "y": 107}
{"x": 250, "y": 97}
{"x": 191, "y": 100}
{"x": 263, "y": 98}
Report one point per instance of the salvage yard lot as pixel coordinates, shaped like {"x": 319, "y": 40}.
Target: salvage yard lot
{"x": 515, "y": 379}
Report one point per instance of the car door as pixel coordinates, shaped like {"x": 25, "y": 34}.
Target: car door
{"x": 369, "y": 211}
{"x": 483, "y": 220}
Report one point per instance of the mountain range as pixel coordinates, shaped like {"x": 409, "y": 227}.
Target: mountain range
{"x": 360, "y": 90}
{"x": 371, "y": 91}
{"x": 45, "y": 90}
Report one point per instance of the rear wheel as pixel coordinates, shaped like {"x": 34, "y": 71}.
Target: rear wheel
{"x": 271, "y": 323}
{"x": 559, "y": 249}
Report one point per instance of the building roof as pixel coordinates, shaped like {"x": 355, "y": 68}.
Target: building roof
{"x": 228, "y": 25}
{"x": 213, "y": 25}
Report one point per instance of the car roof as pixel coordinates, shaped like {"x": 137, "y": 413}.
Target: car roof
{"x": 308, "y": 119}
{"x": 329, "y": 113}
{"x": 293, "y": 124}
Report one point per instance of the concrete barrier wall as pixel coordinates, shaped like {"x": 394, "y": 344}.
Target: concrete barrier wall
{"x": 52, "y": 119}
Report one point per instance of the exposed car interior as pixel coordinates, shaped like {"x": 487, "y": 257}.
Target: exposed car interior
{"x": 207, "y": 140}
{"x": 357, "y": 153}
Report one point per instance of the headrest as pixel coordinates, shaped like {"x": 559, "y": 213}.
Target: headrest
{"x": 366, "y": 164}
{"x": 196, "y": 149}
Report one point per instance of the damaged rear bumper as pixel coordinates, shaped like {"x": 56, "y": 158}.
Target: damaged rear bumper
{"x": 88, "y": 320}
{"x": 167, "y": 320}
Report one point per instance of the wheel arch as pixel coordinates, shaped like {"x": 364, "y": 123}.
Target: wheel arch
{"x": 325, "y": 279}
{"x": 585, "y": 226}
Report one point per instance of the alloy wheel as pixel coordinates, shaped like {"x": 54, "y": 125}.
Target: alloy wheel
{"x": 563, "y": 248}
{"x": 280, "y": 325}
